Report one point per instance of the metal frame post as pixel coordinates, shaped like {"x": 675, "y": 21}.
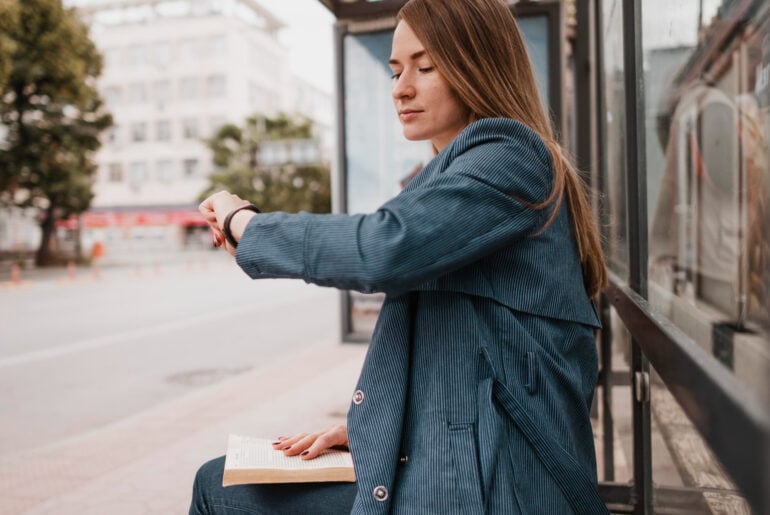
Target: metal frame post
{"x": 636, "y": 206}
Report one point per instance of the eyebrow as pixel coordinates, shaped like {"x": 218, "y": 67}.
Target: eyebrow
{"x": 414, "y": 56}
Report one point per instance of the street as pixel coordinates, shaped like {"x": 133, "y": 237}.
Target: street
{"x": 79, "y": 353}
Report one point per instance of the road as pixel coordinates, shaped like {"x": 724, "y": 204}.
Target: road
{"x": 78, "y": 354}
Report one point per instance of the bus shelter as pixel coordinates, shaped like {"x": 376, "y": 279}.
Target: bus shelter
{"x": 667, "y": 113}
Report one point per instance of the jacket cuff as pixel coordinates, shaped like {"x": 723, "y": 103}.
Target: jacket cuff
{"x": 273, "y": 245}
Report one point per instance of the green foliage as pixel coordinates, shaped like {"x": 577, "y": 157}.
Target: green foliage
{"x": 51, "y": 110}
{"x": 9, "y": 17}
{"x": 288, "y": 187}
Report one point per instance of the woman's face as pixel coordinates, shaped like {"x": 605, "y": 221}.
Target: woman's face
{"x": 427, "y": 107}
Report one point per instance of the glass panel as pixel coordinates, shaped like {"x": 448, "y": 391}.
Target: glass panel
{"x": 706, "y": 77}
{"x": 708, "y": 123}
{"x": 163, "y": 130}
{"x": 379, "y": 160}
{"x": 614, "y": 152}
{"x": 687, "y": 477}
{"x": 613, "y": 427}
{"x": 378, "y": 156}
{"x": 534, "y": 30}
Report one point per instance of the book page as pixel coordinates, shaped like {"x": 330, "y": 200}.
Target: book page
{"x": 245, "y": 452}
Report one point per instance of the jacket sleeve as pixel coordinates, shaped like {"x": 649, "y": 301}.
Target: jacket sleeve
{"x": 461, "y": 214}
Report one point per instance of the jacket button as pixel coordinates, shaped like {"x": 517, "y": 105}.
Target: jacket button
{"x": 380, "y": 493}
{"x": 358, "y": 398}
{"x": 403, "y": 460}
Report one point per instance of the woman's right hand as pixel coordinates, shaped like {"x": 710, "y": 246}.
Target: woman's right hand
{"x": 215, "y": 209}
{"x": 310, "y": 445}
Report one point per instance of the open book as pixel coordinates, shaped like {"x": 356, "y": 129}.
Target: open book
{"x": 254, "y": 460}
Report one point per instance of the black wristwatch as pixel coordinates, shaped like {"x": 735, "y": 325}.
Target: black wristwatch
{"x": 229, "y": 218}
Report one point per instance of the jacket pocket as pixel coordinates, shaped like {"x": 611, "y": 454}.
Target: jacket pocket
{"x": 533, "y": 372}
{"x": 465, "y": 467}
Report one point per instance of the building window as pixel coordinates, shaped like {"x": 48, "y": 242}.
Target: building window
{"x": 115, "y": 172}
{"x": 215, "y": 86}
{"x": 111, "y": 57}
{"x": 163, "y": 130}
{"x": 304, "y": 152}
{"x": 113, "y": 135}
{"x": 190, "y": 128}
{"x": 164, "y": 170}
{"x": 188, "y": 49}
{"x": 215, "y": 122}
{"x": 139, "y": 132}
{"x": 137, "y": 174}
{"x": 261, "y": 99}
{"x": 217, "y": 45}
{"x": 267, "y": 154}
{"x": 113, "y": 95}
{"x": 281, "y": 153}
{"x": 162, "y": 53}
{"x": 161, "y": 92}
{"x": 136, "y": 55}
{"x": 188, "y": 88}
{"x": 137, "y": 93}
{"x": 191, "y": 168}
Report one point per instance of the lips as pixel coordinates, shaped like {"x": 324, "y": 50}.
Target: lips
{"x": 408, "y": 114}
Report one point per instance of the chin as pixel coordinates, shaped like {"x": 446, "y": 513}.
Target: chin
{"x": 413, "y": 135}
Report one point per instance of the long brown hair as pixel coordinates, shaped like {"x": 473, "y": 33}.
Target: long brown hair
{"x": 478, "y": 49}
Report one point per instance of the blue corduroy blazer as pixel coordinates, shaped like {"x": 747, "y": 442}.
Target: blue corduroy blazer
{"x": 474, "y": 396}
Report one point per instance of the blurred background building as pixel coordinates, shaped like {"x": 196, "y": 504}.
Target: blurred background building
{"x": 174, "y": 72}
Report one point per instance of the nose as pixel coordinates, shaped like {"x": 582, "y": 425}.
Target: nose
{"x": 403, "y": 87}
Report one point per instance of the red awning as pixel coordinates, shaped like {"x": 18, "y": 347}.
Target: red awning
{"x": 134, "y": 218}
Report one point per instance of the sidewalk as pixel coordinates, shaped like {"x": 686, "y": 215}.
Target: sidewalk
{"x": 146, "y": 464}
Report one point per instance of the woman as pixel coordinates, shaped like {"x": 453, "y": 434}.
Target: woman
{"x": 475, "y": 393}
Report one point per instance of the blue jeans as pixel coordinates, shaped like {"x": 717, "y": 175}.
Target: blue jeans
{"x": 210, "y": 497}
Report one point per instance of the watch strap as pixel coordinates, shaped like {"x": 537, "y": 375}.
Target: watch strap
{"x": 226, "y": 224}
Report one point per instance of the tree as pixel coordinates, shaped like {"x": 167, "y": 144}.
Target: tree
{"x": 9, "y": 14}
{"x": 285, "y": 187}
{"x": 51, "y": 111}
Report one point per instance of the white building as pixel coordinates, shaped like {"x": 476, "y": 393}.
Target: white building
{"x": 175, "y": 70}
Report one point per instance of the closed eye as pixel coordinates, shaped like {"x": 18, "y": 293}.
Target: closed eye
{"x": 426, "y": 69}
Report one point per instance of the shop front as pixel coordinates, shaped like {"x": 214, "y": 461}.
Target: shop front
{"x": 124, "y": 234}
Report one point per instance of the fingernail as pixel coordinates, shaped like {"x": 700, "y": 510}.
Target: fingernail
{"x": 287, "y": 448}
{"x": 276, "y": 443}
{"x": 304, "y": 453}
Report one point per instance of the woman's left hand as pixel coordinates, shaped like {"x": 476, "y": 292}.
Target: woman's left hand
{"x": 309, "y": 446}
{"x": 214, "y": 209}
